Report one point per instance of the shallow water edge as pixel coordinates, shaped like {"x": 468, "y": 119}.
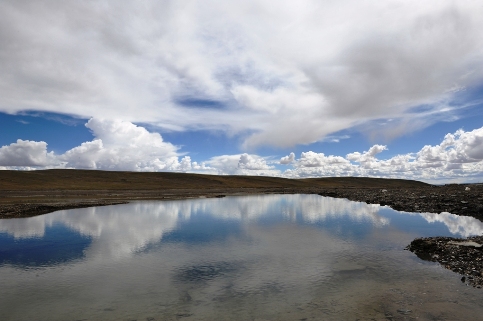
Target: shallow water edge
{"x": 265, "y": 257}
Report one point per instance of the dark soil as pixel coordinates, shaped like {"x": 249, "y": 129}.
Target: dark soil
{"x": 33, "y": 209}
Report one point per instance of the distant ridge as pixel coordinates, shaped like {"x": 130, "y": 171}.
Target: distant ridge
{"x": 73, "y": 179}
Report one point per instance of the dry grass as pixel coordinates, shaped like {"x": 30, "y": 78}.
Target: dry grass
{"x": 67, "y": 179}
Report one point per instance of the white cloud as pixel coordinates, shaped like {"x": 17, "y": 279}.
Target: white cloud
{"x": 25, "y": 153}
{"x": 459, "y": 156}
{"x": 252, "y": 162}
{"x": 242, "y": 164}
{"x": 334, "y": 139}
{"x": 366, "y": 156}
{"x": 311, "y": 164}
{"x": 224, "y": 164}
{"x": 287, "y": 159}
{"x": 85, "y": 155}
{"x": 316, "y": 67}
{"x": 463, "y": 225}
{"x": 311, "y": 159}
{"x": 121, "y": 145}
{"x": 118, "y": 145}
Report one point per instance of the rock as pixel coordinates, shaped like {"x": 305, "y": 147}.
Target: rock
{"x": 462, "y": 256}
{"x": 404, "y": 311}
{"x": 433, "y": 199}
{"x": 469, "y": 243}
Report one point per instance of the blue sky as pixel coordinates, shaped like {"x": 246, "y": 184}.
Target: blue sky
{"x": 292, "y": 89}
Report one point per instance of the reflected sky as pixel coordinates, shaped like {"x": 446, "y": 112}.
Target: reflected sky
{"x": 58, "y": 244}
{"x": 122, "y": 230}
{"x": 203, "y": 255}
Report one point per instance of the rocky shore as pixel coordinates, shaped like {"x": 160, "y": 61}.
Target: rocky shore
{"x": 463, "y": 256}
{"x": 466, "y": 200}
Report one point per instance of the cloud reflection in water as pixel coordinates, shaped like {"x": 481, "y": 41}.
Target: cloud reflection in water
{"x": 249, "y": 254}
{"x": 121, "y": 230}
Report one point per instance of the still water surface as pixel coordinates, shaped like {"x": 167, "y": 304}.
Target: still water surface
{"x": 268, "y": 257}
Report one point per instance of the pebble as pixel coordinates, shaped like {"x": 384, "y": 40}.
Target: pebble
{"x": 463, "y": 256}
{"x": 432, "y": 199}
{"x": 404, "y": 311}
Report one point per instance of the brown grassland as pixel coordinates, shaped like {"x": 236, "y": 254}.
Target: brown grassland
{"x": 29, "y": 193}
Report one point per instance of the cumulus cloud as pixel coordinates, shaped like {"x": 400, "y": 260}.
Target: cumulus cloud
{"x": 255, "y": 66}
{"x": 124, "y": 146}
{"x": 457, "y": 151}
{"x": 252, "y": 162}
{"x": 242, "y": 164}
{"x": 26, "y": 153}
{"x": 311, "y": 164}
{"x": 367, "y": 159}
{"x": 459, "y": 155}
{"x": 366, "y": 156}
{"x": 121, "y": 145}
{"x": 287, "y": 159}
{"x": 117, "y": 145}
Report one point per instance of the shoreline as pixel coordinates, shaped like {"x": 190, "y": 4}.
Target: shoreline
{"x": 464, "y": 200}
{"x": 460, "y": 255}
{"x": 463, "y": 256}
{"x": 455, "y": 254}
{"x": 22, "y": 204}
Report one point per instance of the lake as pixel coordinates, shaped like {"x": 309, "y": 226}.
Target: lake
{"x": 265, "y": 257}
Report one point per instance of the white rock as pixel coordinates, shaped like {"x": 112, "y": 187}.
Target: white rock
{"x": 468, "y": 243}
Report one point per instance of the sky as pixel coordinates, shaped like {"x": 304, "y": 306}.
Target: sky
{"x": 281, "y": 88}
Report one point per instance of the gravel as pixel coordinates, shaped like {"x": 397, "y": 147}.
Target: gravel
{"x": 463, "y": 256}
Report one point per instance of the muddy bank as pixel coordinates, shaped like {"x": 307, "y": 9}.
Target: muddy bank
{"x": 18, "y": 204}
{"x": 34, "y": 209}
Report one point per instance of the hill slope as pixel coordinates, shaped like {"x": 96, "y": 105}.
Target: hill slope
{"x": 69, "y": 179}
